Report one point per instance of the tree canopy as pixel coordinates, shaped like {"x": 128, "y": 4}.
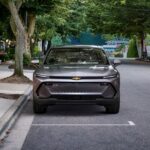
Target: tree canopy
{"x": 47, "y": 18}
{"x": 123, "y": 17}
{"x": 23, "y": 18}
{"x": 120, "y": 16}
{"x": 69, "y": 18}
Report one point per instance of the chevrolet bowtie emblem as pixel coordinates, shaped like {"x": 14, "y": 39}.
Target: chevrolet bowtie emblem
{"x": 76, "y": 78}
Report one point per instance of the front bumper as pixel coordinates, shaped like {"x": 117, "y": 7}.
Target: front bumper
{"x": 99, "y": 91}
{"x": 99, "y": 101}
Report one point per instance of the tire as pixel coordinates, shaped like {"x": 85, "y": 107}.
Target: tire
{"x": 113, "y": 109}
{"x": 38, "y": 109}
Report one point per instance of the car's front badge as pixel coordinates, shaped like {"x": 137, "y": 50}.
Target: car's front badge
{"x": 76, "y": 78}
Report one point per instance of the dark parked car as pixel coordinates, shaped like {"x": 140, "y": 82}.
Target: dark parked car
{"x": 76, "y": 75}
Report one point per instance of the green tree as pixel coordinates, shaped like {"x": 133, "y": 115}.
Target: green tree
{"x": 23, "y": 15}
{"x": 67, "y": 19}
{"x": 132, "y": 50}
{"x": 5, "y": 30}
{"x": 123, "y": 17}
{"x": 48, "y": 24}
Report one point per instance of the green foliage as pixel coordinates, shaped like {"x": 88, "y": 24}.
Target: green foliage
{"x": 120, "y": 48}
{"x": 40, "y": 7}
{"x": 67, "y": 18}
{"x": 26, "y": 59}
{"x": 36, "y": 52}
{"x": 109, "y": 37}
{"x": 118, "y": 54}
{"x": 5, "y": 58}
{"x": 47, "y": 24}
{"x": 124, "y": 17}
{"x": 57, "y": 40}
{"x": 132, "y": 50}
{"x": 119, "y": 51}
{"x": 147, "y": 39}
{"x": 11, "y": 53}
{"x": 76, "y": 21}
{"x": 5, "y": 31}
{"x": 67, "y": 41}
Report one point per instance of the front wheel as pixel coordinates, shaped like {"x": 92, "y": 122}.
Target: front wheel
{"x": 38, "y": 109}
{"x": 114, "y": 108}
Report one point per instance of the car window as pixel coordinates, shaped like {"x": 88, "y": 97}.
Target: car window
{"x": 76, "y": 56}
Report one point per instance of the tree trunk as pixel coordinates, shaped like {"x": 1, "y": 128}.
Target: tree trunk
{"x": 31, "y": 24}
{"x": 49, "y": 45}
{"x": 32, "y": 46}
{"x": 27, "y": 44}
{"x": 23, "y": 37}
{"x": 142, "y": 44}
{"x": 20, "y": 39}
{"x": 30, "y": 31}
{"x": 138, "y": 45}
{"x": 44, "y": 46}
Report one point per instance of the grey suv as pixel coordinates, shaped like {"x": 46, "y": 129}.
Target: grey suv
{"x": 76, "y": 75}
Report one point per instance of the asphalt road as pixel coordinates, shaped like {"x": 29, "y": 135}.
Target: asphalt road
{"x": 88, "y": 127}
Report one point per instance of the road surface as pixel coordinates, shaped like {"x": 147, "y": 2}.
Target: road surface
{"x": 89, "y": 127}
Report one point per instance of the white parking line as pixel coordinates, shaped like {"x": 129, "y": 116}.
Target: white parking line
{"x": 130, "y": 123}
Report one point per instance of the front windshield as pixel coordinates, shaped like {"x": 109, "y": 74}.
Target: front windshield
{"x": 76, "y": 56}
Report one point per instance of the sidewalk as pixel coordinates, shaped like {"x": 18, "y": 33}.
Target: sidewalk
{"x": 12, "y": 98}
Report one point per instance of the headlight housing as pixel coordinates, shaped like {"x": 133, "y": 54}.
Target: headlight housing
{"x": 111, "y": 76}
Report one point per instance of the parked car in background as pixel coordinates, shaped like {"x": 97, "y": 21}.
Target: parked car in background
{"x": 77, "y": 74}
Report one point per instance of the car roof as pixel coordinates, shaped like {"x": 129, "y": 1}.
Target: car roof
{"x": 78, "y": 46}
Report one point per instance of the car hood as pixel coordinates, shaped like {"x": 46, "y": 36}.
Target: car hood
{"x": 81, "y": 71}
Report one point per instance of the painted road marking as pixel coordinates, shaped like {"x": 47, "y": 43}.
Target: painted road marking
{"x": 130, "y": 123}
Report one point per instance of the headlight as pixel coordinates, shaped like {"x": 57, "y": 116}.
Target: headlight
{"x": 111, "y": 76}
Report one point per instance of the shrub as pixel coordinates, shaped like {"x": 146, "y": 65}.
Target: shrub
{"x": 10, "y": 54}
{"x": 118, "y": 54}
{"x": 6, "y": 57}
{"x": 26, "y": 59}
{"x": 120, "y": 48}
{"x": 36, "y": 52}
{"x": 132, "y": 50}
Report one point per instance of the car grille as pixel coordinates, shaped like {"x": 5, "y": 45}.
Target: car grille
{"x": 76, "y": 88}
{"x": 102, "y": 89}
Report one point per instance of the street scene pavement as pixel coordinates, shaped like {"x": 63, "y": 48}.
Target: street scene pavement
{"x": 73, "y": 48}
{"x": 12, "y": 99}
{"x": 69, "y": 127}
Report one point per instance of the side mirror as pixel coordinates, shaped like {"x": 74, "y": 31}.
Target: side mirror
{"x": 117, "y": 62}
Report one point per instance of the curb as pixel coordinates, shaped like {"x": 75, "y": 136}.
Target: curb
{"x": 9, "y": 118}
